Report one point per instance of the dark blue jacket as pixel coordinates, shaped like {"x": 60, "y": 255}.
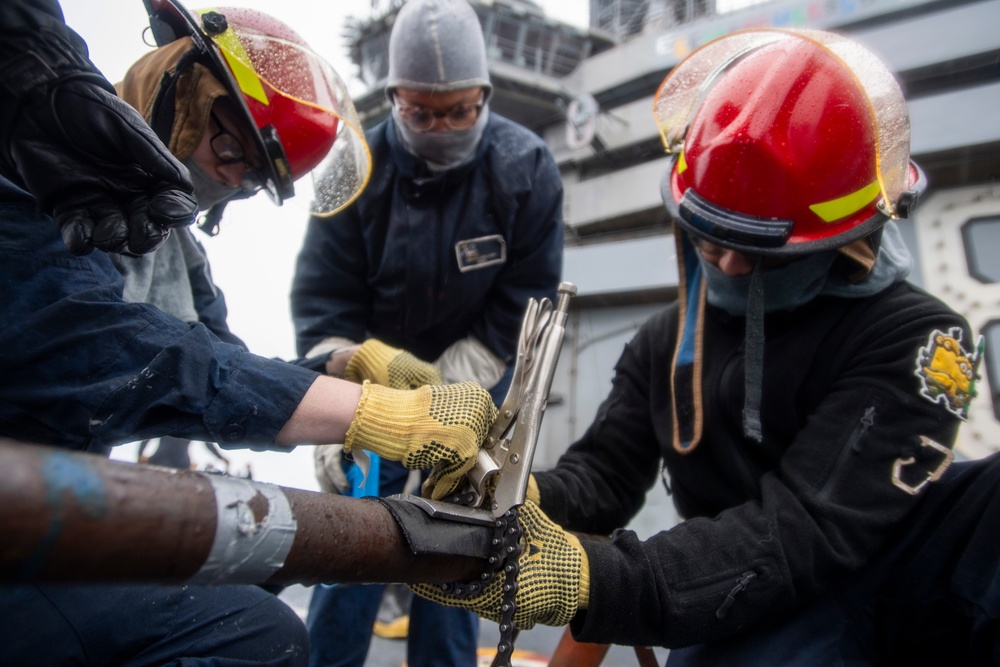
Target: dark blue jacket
{"x": 81, "y": 368}
{"x": 210, "y": 302}
{"x": 415, "y": 261}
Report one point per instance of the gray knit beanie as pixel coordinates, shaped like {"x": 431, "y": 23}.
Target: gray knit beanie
{"x": 437, "y": 46}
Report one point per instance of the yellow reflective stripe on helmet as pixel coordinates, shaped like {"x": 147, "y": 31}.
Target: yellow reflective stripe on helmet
{"x": 841, "y": 207}
{"x": 682, "y": 164}
{"x": 239, "y": 62}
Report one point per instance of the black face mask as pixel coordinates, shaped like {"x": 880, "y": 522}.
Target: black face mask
{"x": 786, "y": 287}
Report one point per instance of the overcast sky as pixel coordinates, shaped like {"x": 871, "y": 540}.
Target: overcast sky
{"x": 253, "y": 257}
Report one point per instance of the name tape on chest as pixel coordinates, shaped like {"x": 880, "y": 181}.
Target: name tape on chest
{"x": 481, "y": 252}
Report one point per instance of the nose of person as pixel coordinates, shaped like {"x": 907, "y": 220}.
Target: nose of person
{"x": 440, "y": 124}
{"x": 734, "y": 263}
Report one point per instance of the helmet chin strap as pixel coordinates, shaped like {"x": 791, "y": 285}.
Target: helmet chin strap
{"x": 210, "y": 220}
{"x": 753, "y": 360}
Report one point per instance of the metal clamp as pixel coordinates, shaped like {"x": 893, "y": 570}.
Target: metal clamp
{"x": 499, "y": 479}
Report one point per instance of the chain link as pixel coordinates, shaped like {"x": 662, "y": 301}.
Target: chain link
{"x": 511, "y": 568}
{"x": 505, "y": 554}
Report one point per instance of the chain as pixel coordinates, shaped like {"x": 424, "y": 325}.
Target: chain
{"x": 505, "y": 553}
{"x": 512, "y": 555}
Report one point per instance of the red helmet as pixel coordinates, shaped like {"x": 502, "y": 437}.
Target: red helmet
{"x": 785, "y": 142}
{"x": 294, "y": 99}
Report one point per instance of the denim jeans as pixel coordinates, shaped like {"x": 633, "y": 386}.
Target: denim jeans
{"x": 340, "y": 628}
{"x": 132, "y": 625}
{"x": 341, "y": 616}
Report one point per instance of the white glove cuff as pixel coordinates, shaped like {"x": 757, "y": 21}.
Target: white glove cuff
{"x": 468, "y": 359}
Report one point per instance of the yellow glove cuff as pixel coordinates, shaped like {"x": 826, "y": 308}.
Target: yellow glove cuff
{"x": 375, "y": 427}
{"x": 584, "y": 597}
{"x": 532, "y": 494}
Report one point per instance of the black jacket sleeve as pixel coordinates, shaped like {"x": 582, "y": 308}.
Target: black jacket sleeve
{"x": 767, "y": 528}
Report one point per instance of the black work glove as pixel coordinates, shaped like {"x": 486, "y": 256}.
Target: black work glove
{"x": 91, "y": 161}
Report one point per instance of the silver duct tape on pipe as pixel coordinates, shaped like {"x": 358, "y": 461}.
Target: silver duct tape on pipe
{"x": 254, "y": 532}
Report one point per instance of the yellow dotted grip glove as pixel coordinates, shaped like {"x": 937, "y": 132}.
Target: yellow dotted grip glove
{"x": 439, "y": 426}
{"x": 533, "y": 493}
{"x": 390, "y": 367}
{"x": 553, "y": 583}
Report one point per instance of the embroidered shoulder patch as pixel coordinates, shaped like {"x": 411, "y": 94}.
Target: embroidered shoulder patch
{"x": 947, "y": 372}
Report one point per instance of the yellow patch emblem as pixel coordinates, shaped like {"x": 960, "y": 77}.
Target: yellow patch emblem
{"x": 947, "y": 372}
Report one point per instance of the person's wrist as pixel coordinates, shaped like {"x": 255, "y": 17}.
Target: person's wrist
{"x": 336, "y": 362}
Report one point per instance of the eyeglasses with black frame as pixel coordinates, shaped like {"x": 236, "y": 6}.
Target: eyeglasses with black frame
{"x": 229, "y": 150}
{"x": 421, "y": 119}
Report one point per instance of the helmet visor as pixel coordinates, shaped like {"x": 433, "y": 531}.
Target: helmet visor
{"x": 289, "y": 87}
{"x": 681, "y": 93}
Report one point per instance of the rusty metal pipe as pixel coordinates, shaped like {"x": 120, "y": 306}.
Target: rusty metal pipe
{"x": 72, "y": 517}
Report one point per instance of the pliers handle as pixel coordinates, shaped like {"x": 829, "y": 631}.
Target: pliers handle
{"x": 499, "y": 479}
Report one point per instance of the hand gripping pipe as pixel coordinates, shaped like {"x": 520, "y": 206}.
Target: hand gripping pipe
{"x": 73, "y": 517}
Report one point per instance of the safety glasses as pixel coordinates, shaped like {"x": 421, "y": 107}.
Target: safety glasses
{"x": 421, "y": 119}
{"x": 229, "y": 150}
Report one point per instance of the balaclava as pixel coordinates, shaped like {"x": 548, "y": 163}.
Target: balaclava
{"x": 785, "y": 142}
{"x": 175, "y": 95}
{"x": 844, "y": 273}
{"x": 437, "y": 46}
{"x": 800, "y": 281}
